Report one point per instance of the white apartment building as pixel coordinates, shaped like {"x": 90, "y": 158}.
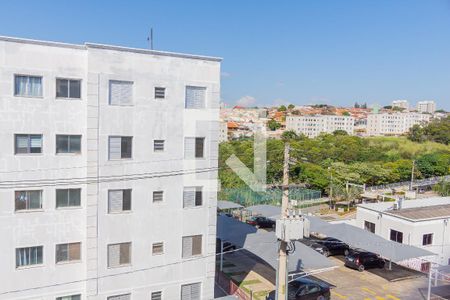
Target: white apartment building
{"x": 108, "y": 172}
{"x": 313, "y": 125}
{"x": 426, "y": 107}
{"x": 394, "y": 123}
{"x": 423, "y": 223}
{"x": 223, "y": 131}
{"x": 401, "y": 104}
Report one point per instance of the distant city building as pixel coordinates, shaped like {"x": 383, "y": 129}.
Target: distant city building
{"x": 312, "y": 126}
{"x": 394, "y": 123}
{"x": 426, "y": 107}
{"x": 401, "y": 104}
{"x": 422, "y": 223}
{"x": 223, "y": 132}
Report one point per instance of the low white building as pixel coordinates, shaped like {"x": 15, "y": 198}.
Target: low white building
{"x": 394, "y": 123}
{"x": 401, "y": 104}
{"x": 426, "y": 107}
{"x": 423, "y": 223}
{"x": 313, "y": 125}
{"x": 223, "y": 131}
{"x": 96, "y": 201}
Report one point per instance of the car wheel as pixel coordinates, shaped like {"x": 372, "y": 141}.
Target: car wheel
{"x": 361, "y": 268}
{"x": 346, "y": 252}
{"x": 326, "y": 253}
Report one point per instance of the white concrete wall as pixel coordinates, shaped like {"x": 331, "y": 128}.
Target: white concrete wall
{"x": 412, "y": 231}
{"x": 92, "y": 117}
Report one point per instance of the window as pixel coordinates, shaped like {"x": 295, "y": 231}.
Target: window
{"x": 28, "y": 86}
{"x": 119, "y": 201}
{"x": 119, "y": 255}
{"x": 120, "y": 147}
{"x": 195, "y": 97}
{"x": 191, "y": 291}
{"x": 68, "y": 143}
{"x": 192, "y": 196}
{"x": 160, "y": 93}
{"x": 68, "y": 252}
{"x": 158, "y": 145}
{"x": 192, "y": 245}
{"x": 28, "y": 200}
{"x": 396, "y": 236}
{"x": 158, "y": 196}
{"x": 68, "y": 88}
{"x": 68, "y": 198}
{"x": 120, "y": 92}
{"x": 28, "y": 143}
{"x": 158, "y": 248}
{"x": 425, "y": 267}
{"x": 156, "y": 295}
{"x": 29, "y": 256}
{"x": 194, "y": 147}
{"x": 369, "y": 226}
{"x": 120, "y": 297}
{"x": 427, "y": 239}
{"x": 73, "y": 297}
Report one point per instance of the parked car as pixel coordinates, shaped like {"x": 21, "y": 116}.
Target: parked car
{"x": 361, "y": 260}
{"x": 305, "y": 289}
{"x": 331, "y": 246}
{"x": 261, "y": 222}
{"x": 227, "y": 246}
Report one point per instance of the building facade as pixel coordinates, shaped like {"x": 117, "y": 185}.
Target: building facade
{"x": 313, "y": 125}
{"x": 108, "y": 172}
{"x": 426, "y": 107}
{"x": 422, "y": 223}
{"x": 401, "y": 104}
{"x": 394, "y": 123}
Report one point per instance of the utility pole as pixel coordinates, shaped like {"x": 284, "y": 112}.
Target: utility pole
{"x": 331, "y": 186}
{"x": 412, "y": 175}
{"x": 282, "y": 254}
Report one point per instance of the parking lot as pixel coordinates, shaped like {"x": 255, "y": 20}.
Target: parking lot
{"x": 349, "y": 284}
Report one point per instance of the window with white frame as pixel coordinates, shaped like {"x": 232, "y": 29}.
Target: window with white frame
{"x": 28, "y": 143}
{"x": 71, "y": 297}
{"x": 68, "y": 143}
{"x": 119, "y": 255}
{"x": 28, "y": 200}
{"x": 192, "y": 196}
{"x": 191, "y": 246}
{"x": 68, "y": 252}
{"x": 195, "y": 97}
{"x": 158, "y": 145}
{"x": 120, "y": 92}
{"x": 29, "y": 256}
{"x": 28, "y": 86}
{"x": 119, "y": 201}
{"x": 158, "y": 248}
{"x": 396, "y": 236}
{"x": 68, "y": 88}
{"x": 191, "y": 291}
{"x": 68, "y": 198}
{"x": 158, "y": 196}
{"x": 156, "y": 295}
{"x": 194, "y": 147}
{"x": 160, "y": 92}
{"x": 120, "y": 147}
{"x": 120, "y": 297}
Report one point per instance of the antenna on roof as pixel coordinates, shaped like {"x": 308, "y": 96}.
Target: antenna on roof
{"x": 150, "y": 39}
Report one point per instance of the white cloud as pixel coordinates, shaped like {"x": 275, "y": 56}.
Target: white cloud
{"x": 225, "y": 74}
{"x": 246, "y": 101}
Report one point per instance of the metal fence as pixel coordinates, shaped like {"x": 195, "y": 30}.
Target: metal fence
{"x": 416, "y": 183}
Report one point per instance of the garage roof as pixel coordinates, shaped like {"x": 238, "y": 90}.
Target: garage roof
{"x": 221, "y": 204}
{"x": 423, "y": 213}
{"x": 265, "y": 245}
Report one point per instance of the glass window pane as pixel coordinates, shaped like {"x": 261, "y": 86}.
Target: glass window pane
{"x": 62, "y": 252}
{"x": 35, "y": 88}
{"x": 75, "y": 143}
{"x": 35, "y": 199}
{"x": 199, "y": 145}
{"x": 22, "y": 143}
{"x": 62, "y": 144}
{"x": 20, "y": 85}
{"x": 126, "y": 204}
{"x": 75, "y": 89}
{"x": 35, "y": 143}
{"x": 125, "y": 251}
{"x": 126, "y": 147}
{"x": 62, "y": 88}
{"x": 75, "y": 251}
{"x": 75, "y": 197}
{"x": 62, "y": 198}
{"x": 21, "y": 200}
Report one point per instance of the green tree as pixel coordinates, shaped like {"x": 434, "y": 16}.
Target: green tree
{"x": 273, "y": 125}
{"x": 282, "y": 108}
{"x": 340, "y": 132}
{"x": 289, "y": 135}
{"x": 442, "y": 188}
{"x": 291, "y": 106}
{"x": 433, "y": 164}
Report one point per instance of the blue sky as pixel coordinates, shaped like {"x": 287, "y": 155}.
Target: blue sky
{"x": 297, "y": 52}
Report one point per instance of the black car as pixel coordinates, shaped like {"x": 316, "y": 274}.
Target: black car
{"x": 305, "y": 289}
{"x": 331, "y": 246}
{"x": 361, "y": 260}
{"x": 261, "y": 222}
{"x": 227, "y": 246}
